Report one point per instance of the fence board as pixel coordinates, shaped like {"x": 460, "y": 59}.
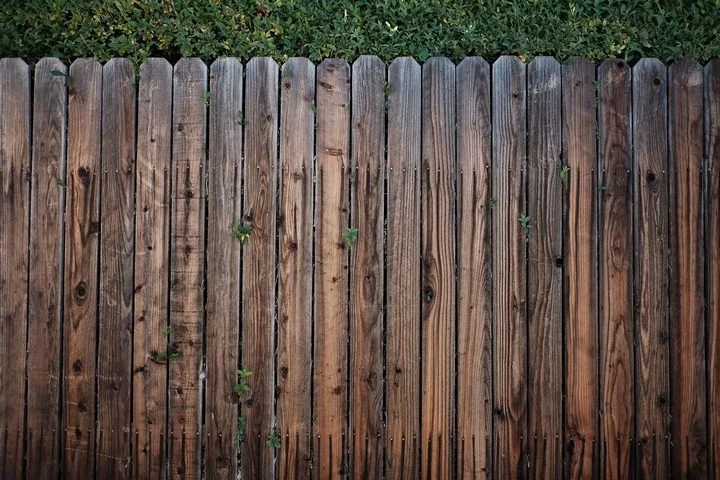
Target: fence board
{"x": 152, "y": 261}
{"x": 47, "y": 205}
{"x": 331, "y": 277}
{"x": 187, "y": 257}
{"x": 509, "y": 267}
{"x": 651, "y": 247}
{"x": 366, "y": 267}
{"x": 402, "y": 269}
{"x": 82, "y": 237}
{"x": 474, "y": 280}
{"x": 224, "y": 208}
{"x": 295, "y": 290}
{"x": 258, "y": 288}
{"x": 14, "y": 224}
{"x": 687, "y": 295}
{"x": 438, "y": 267}
{"x": 545, "y": 289}
{"x": 580, "y": 263}
{"x": 117, "y": 234}
{"x": 615, "y": 250}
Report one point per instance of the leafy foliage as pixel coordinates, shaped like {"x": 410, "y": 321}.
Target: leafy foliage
{"x": 241, "y": 386}
{"x": 241, "y": 231}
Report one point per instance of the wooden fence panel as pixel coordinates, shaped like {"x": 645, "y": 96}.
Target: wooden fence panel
{"x": 331, "y": 277}
{"x": 152, "y": 262}
{"x": 402, "y": 269}
{"x": 82, "y": 249}
{"x": 474, "y": 273}
{"x": 258, "y": 272}
{"x": 117, "y": 239}
{"x": 687, "y": 294}
{"x": 224, "y": 209}
{"x": 47, "y": 205}
{"x": 615, "y": 259}
{"x": 14, "y": 235}
{"x": 187, "y": 258}
{"x": 580, "y": 185}
{"x": 509, "y": 255}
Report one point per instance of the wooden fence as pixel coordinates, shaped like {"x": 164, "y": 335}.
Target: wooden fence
{"x": 468, "y": 270}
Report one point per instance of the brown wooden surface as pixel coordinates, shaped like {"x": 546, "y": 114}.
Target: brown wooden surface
{"x": 117, "y": 232}
{"x": 580, "y": 191}
{"x": 687, "y": 299}
{"x": 332, "y": 139}
{"x": 187, "y": 256}
{"x": 258, "y": 273}
{"x": 47, "y": 205}
{"x": 295, "y": 256}
{"x": 366, "y": 267}
{"x": 615, "y": 257}
{"x": 651, "y": 267}
{"x": 14, "y": 222}
{"x": 82, "y": 237}
{"x": 712, "y": 255}
{"x": 438, "y": 268}
{"x": 402, "y": 268}
{"x": 474, "y": 322}
{"x": 152, "y": 262}
{"x": 545, "y": 287}
{"x": 509, "y": 267}
{"x": 223, "y": 267}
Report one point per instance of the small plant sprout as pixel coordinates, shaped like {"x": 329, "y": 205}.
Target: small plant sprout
{"x": 387, "y": 88}
{"x": 61, "y": 183}
{"x": 273, "y": 440}
{"x": 602, "y": 187}
{"x": 166, "y": 331}
{"x": 241, "y": 231}
{"x": 526, "y": 223}
{"x": 242, "y": 387}
{"x": 492, "y": 201}
{"x": 240, "y": 431}
{"x": 565, "y": 174}
{"x": 313, "y": 107}
{"x": 206, "y": 96}
{"x": 350, "y": 236}
{"x": 164, "y": 357}
{"x": 240, "y": 118}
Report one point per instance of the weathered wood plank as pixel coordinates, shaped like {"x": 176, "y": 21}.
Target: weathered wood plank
{"x": 82, "y": 237}
{"x": 580, "y": 261}
{"x": 14, "y": 223}
{"x": 545, "y": 287}
{"x": 187, "y": 256}
{"x": 687, "y": 299}
{"x": 331, "y": 277}
{"x": 474, "y": 323}
{"x": 509, "y": 263}
{"x": 615, "y": 250}
{"x": 47, "y": 206}
{"x": 223, "y": 267}
{"x": 366, "y": 266}
{"x": 402, "y": 268}
{"x": 651, "y": 266}
{"x": 152, "y": 262}
{"x": 294, "y": 358}
{"x": 258, "y": 286}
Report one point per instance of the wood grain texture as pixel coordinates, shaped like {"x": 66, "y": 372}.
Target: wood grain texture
{"x": 117, "y": 235}
{"x": 366, "y": 266}
{"x": 47, "y": 206}
{"x": 187, "y": 257}
{"x": 474, "y": 272}
{"x": 295, "y": 290}
{"x": 582, "y": 442}
{"x": 687, "y": 299}
{"x": 15, "y": 131}
{"x": 258, "y": 286}
{"x": 402, "y": 268}
{"x": 712, "y": 255}
{"x": 223, "y": 267}
{"x": 615, "y": 259}
{"x": 82, "y": 247}
{"x": 545, "y": 287}
{"x": 152, "y": 263}
{"x": 509, "y": 267}
{"x": 651, "y": 264}
{"x": 330, "y": 380}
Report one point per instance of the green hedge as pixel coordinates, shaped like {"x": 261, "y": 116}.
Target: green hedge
{"x": 421, "y": 28}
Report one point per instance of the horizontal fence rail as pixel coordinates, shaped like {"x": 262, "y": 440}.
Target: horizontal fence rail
{"x": 465, "y": 271}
